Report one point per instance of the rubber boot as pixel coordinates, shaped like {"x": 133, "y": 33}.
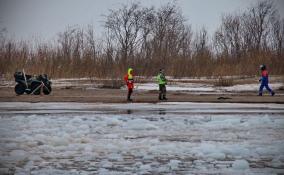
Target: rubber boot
{"x": 164, "y": 98}
{"x": 160, "y": 97}
{"x": 272, "y": 93}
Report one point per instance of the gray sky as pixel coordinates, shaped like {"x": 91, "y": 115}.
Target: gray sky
{"x": 44, "y": 19}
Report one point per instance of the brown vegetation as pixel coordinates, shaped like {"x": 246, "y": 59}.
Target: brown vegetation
{"x": 148, "y": 39}
{"x": 221, "y": 81}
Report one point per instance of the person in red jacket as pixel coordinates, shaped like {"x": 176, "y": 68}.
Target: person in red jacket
{"x": 264, "y": 81}
{"x": 129, "y": 82}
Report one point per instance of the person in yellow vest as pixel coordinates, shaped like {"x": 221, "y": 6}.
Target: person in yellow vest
{"x": 128, "y": 78}
{"x": 162, "y": 81}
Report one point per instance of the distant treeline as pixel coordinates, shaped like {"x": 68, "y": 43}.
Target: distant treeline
{"x": 148, "y": 39}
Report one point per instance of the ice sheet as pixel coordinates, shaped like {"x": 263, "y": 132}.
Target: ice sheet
{"x": 141, "y": 142}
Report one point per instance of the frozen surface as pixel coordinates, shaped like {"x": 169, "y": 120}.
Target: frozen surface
{"x": 165, "y": 138}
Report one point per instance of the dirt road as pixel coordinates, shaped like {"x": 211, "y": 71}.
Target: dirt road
{"x": 119, "y": 96}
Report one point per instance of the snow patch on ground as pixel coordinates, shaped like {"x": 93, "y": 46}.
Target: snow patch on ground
{"x": 194, "y": 87}
{"x": 198, "y": 87}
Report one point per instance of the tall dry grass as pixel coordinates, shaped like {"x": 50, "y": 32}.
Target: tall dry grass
{"x": 160, "y": 38}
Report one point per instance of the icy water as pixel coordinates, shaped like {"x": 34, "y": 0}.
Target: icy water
{"x": 165, "y": 138}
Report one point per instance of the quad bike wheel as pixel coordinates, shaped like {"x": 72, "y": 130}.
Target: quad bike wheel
{"x": 47, "y": 89}
{"x": 35, "y": 88}
{"x": 20, "y": 88}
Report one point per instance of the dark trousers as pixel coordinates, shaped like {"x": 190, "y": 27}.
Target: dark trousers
{"x": 130, "y": 90}
{"x": 162, "y": 91}
{"x": 264, "y": 83}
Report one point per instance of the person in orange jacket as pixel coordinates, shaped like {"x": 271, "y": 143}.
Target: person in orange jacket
{"x": 129, "y": 82}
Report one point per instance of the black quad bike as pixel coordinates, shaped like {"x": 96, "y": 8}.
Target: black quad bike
{"x": 32, "y": 84}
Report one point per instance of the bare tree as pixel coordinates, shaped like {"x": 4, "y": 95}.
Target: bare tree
{"x": 168, "y": 33}
{"x": 91, "y": 42}
{"x": 125, "y": 24}
{"x": 277, "y": 35}
{"x": 256, "y": 24}
{"x": 202, "y": 54}
{"x": 228, "y": 37}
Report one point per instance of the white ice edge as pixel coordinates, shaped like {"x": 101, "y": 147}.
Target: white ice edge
{"x": 190, "y": 107}
{"x": 76, "y": 105}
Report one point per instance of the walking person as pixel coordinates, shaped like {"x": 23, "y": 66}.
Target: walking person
{"x": 264, "y": 81}
{"x": 162, "y": 81}
{"x": 130, "y": 83}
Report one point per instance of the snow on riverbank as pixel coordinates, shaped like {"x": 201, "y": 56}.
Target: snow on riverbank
{"x": 194, "y": 85}
{"x": 141, "y": 143}
{"x": 197, "y": 87}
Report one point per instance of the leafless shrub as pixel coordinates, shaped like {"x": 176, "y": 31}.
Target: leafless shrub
{"x": 112, "y": 84}
{"x": 224, "y": 82}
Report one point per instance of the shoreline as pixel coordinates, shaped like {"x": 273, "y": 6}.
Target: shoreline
{"x": 119, "y": 96}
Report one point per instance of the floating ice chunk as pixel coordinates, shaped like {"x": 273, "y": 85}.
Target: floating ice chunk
{"x": 84, "y": 127}
{"x": 19, "y": 155}
{"x": 11, "y": 146}
{"x": 90, "y": 156}
{"x": 89, "y": 148}
{"x": 148, "y": 156}
{"x": 75, "y": 121}
{"x": 207, "y": 148}
{"x": 57, "y": 141}
{"x": 41, "y": 138}
{"x": 281, "y": 158}
{"x": 173, "y": 164}
{"x": 240, "y": 165}
{"x": 21, "y": 171}
{"x": 169, "y": 148}
{"x": 77, "y": 147}
{"x": 145, "y": 168}
{"x": 106, "y": 164}
{"x": 103, "y": 171}
{"x": 29, "y": 165}
{"x": 115, "y": 157}
{"x": 52, "y": 171}
{"x": 265, "y": 120}
{"x": 217, "y": 156}
{"x": 35, "y": 158}
{"x": 235, "y": 150}
{"x": 269, "y": 150}
{"x": 138, "y": 164}
{"x": 162, "y": 169}
{"x": 224, "y": 123}
{"x": 260, "y": 121}
{"x": 277, "y": 162}
{"x": 112, "y": 121}
{"x": 111, "y": 136}
{"x": 140, "y": 124}
{"x": 279, "y": 123}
